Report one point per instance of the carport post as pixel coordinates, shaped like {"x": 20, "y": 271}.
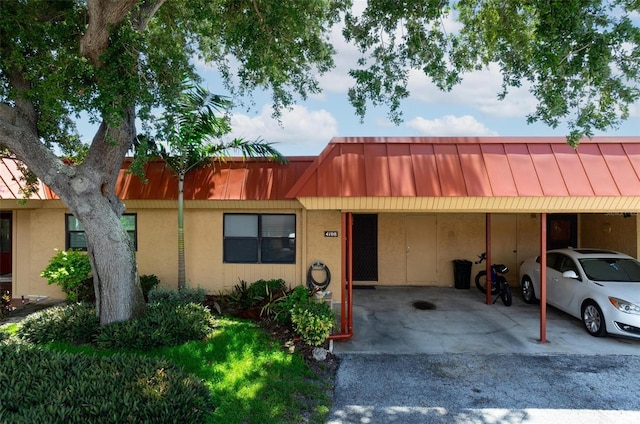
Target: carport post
{"x": 543, "y": 278}
{"x": 346, "y": 280}
{"x": 488, "y": 262}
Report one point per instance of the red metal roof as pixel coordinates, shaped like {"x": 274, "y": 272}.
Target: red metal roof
{"x": 398, "y": 167}
{"x": 473, "y": 167}
{"x": 12, "y": 182}
{"x": 233, "y": 179}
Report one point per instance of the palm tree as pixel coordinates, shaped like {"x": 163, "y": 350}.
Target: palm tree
{"x": 193, "y": 138}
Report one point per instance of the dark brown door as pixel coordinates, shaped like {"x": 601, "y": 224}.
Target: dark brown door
{"x": 562, "y": 231}
{"x": 5, "y": 243}
{"x": 365, "y": 247}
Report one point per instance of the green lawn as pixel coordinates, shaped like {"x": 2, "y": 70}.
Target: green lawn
{"x": 251, "y": 379}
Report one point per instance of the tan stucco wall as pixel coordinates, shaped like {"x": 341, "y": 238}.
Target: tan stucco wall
{"x": 609, "y": 231}
{"x": 157, "y": 244}
{"x": 392, "y": 267}
{"x": 317, "y": 247}
{"x": 158, "y": 251}
{"x": 458, "y": 236}
{"x": 38, "y": 232}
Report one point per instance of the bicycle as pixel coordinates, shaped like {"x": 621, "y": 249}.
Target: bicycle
{"x": 499, "y": 285}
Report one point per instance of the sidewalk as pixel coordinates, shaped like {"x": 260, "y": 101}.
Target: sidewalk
{"x": 27, "y": 306}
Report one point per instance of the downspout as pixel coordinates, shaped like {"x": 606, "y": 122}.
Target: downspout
{"x": 488, "y": 262}
{"x": 543, "y": 278}
{"x": 346, "y": 281}
{"x": 181, "y": 257}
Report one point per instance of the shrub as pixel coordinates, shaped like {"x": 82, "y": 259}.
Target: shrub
{"x": 262, "y": 289}
{"x": 75, "y": 388}
{"x": 5, "y": 303}
{"x": 184, "y": 295}
{"x": 163, "y": 324}
{"x": 76, "y": 323}
{"x": 71, "y": 270}
{"x": 239, "y": 296}
{"x": 313, "y": 322}
{"x": 263, "y": 293}
{"x": 300, "y": 296}
{"x": 148, "y": 282}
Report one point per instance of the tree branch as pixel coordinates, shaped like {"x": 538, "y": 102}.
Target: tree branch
{"x": 148, "y": 8}
{"x": 103, "y": 14}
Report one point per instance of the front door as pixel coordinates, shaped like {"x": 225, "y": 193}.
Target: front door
{"x": 562, "y": 231}
{"x": 365, "y": 247}
{"x": 5, "y": 243}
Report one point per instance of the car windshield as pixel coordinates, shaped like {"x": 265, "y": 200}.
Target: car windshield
{"x": 611, "y": 269}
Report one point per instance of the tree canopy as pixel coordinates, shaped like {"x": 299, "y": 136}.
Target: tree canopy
{"x": 115, "y": 63}
{"x": 579, "y": 58}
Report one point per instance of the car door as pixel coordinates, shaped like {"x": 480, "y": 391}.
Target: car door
{"x": 568, "y": 290}
{"x": 553, "y": 277}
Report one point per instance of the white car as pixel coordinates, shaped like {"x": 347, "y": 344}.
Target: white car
{"x": 601, "y": 287}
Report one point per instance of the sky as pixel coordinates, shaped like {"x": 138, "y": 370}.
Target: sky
{"x": 470, "y": 109}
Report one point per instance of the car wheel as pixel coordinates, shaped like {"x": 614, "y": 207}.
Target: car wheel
{"x": 593, "y": 319}
{"x": 528, "y": 293}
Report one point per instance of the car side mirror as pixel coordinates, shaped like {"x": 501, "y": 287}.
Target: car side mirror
{"x": 570, "y": 274}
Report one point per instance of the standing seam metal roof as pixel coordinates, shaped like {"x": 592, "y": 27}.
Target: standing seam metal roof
{"x": 473, "y": 167}
{"x": 421, "y": 168}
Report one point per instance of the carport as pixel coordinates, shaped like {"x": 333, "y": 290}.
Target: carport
{"x": 432, "y": 178}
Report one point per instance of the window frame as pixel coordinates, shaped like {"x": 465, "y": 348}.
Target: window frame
{"x": 67, "y": 232}
{"x": 259, "y": 242}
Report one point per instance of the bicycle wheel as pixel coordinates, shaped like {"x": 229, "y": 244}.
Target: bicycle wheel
{"x": 505, "y": 291}
{"x": 481, "y": 283}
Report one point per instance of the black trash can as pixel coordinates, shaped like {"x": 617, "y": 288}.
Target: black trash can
{"x": 462, "y": 273}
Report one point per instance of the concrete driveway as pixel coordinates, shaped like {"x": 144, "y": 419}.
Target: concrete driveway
{"x": 467, "y": 362}
{"x": 385, "y": 321}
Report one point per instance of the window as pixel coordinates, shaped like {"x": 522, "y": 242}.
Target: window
{"x": 75, "y": 238}
{"x": 260, "y": 238}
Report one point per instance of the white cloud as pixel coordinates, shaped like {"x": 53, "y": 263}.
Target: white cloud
{"x": 478, "y": 90}
{"x": 301, "y": 131}
{"x": 450, "y": 125}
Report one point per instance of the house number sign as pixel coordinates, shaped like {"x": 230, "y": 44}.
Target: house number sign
{"x": 331, "y": 234}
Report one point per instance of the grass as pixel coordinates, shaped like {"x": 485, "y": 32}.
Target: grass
{"x": 11, "y": 328}
{"x": 251, "y": 379}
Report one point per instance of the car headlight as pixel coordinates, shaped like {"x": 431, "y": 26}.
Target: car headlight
{"x": 624, "y": 306}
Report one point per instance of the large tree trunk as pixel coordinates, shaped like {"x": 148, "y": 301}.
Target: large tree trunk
{"x": 92, "y": 199}
{"x": 115, "y": 273}
{"x": 88, "y": 190}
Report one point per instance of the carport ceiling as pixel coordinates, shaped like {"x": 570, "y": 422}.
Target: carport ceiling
{"x": 474, "y": 174}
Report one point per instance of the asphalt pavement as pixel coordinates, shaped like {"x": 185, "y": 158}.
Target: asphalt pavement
{"x": 467, "y": 362}
{"x": 505, "y": 388}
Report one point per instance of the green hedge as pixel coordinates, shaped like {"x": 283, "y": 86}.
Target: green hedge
{"x": 74, "y": 323}
{"x": 165, "y": 323}
{"x": 45, "y": 386}
{"x": 162, "y": 325}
